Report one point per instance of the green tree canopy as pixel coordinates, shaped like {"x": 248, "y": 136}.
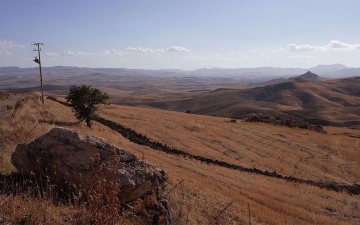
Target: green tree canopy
{"x": 84, "y": 100}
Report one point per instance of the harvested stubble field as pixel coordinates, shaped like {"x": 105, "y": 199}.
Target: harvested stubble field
{"x": 207, "y": 188}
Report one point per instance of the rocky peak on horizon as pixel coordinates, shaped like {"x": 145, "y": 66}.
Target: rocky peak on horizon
{"x": 306, "y": 76}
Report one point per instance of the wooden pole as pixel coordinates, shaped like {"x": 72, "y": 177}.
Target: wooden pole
{"x": 221, "y": 212}
{"x": 39, "y": 62}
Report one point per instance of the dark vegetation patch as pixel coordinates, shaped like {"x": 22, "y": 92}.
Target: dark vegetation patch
{"x": 276, "y": 120}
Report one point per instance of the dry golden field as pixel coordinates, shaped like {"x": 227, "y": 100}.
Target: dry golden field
{"x": 207, "y": 188}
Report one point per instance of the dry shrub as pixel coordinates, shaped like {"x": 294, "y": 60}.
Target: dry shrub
{"x": 102, "y": 199}
{"x": 4, "y": 95}
{"x": 192, "y": 126}
{"x": 31, "y": 201}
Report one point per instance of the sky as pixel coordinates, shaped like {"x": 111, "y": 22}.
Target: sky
{"x": 180, "y": 34}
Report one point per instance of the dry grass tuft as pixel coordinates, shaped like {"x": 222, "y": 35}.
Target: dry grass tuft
{"x": 102, "y": 199}
{"x": 192, "y": 126}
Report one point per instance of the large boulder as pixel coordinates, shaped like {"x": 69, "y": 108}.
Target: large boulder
{"x": 68, "y": 157}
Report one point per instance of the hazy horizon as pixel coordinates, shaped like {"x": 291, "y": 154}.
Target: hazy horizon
{"x": 204, "y": 68}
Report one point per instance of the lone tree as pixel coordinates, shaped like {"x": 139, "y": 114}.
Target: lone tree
{"x": 84, "y": 100}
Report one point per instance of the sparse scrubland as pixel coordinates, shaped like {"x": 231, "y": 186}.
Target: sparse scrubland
{"x": 207, "y": 188}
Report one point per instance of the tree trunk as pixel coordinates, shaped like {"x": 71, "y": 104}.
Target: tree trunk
{"x": 88, "y": 123}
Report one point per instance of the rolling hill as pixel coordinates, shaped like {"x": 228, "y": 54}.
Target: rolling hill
{"x": 208, "y": 187}
{"x": 332, "y": 100}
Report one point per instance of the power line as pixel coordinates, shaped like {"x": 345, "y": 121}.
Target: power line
{"x": 62, "y": 52}
{"x": 16, "y": 38}
{"x": 73, "y": 55}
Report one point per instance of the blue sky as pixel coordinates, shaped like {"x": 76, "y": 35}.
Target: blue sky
{"x": 181, "y": 34}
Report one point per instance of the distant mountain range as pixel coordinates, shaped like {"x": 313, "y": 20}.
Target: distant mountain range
{"x": 249, "y": 75}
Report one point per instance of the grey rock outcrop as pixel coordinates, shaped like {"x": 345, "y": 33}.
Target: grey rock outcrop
{"x": 67, "y": 156}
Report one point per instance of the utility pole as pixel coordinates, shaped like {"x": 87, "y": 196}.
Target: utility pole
{"x": 38, "y": 61}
